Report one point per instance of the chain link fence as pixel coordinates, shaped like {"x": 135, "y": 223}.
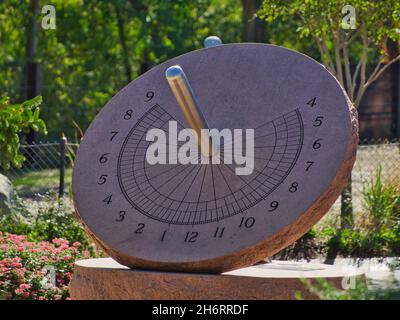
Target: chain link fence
{"x": 48, "y": 167}
{"x": 46, "y": 170}
{"x": 372, "y": 155}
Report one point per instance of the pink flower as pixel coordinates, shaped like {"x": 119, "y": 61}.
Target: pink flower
{"x": 60, "y": 242}
{"x": 57, "y": 251}
{"x": 41, "y": 298}
{"x": 16, "y": 265}
{"x": 24, "y": 286}
{"x": 69, "y": 275}
{"x": 64, "y": 247}
{"x": 76, "y": 244}
{"x": 18, "y": 291}
{"x": 20, "y": 272}
{"x": 65, "y": 258}
{"x": 16, "y": 238}
{"x": 57, "y": 297}
{"x": 26, "y": 294}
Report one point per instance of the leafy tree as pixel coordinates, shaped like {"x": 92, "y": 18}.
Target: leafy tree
{"x": 100, "y": 46}
{"x": 377, "y": 24}
{"x": 12, "y": 47}
{"x": 14, "y": 119}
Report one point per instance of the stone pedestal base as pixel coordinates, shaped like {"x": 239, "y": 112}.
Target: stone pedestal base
{"x": 106, "y": 279}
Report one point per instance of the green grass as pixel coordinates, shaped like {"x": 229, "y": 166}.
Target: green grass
{"x": 40, "y": 182}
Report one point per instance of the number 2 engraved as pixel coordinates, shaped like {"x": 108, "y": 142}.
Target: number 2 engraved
{"x": 140, "y": 228}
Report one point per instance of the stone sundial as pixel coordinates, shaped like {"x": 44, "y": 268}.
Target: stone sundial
{"x": 203, "y": 216}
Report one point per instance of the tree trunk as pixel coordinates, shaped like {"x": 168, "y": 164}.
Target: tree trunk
{"x": 32, "y": 70}
{"x": 122, "y": 41}
{"x": 392, "y": 50}
{"x": 141, "y": 9}
{"x": 254, "y": 29}
{"x": 346, "y": 222}
{"x": 32, "y": 83}
{"x": 346, "y": 212}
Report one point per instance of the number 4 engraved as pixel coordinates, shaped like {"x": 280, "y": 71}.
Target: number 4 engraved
{"x": 312, "y": 102}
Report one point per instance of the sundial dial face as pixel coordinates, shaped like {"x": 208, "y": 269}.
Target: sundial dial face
{"x": 201, "y": 216}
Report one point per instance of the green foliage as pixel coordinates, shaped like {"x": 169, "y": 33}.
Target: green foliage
{"x": 36, "y": 271}
{"x": 84, "y": 63}
{"x": 325, "y": 290}
{"x": 376, "y": 22}
{"x": 382, "y": 202}
{"x": 12, "y": 46}
{"x": 53, "y": 220}
{"x": 14, "y": 119}
{"x": 319, "y": 19}
{"x": 304, "y": 248}
{"x": 35, "y": 182}
{"x": 380, "y": 236}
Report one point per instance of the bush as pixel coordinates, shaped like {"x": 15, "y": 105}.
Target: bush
{"x": 40, "y": 270}
{"x": 54, "y": 220}
{"x": 14, "y": 119}
{"x": 380, "y": 236}
{"x": 325, "y": 290}
{"x": 382, "y": 203}
{"x": 42, "y": 245}
{"x": 307, "y": 248}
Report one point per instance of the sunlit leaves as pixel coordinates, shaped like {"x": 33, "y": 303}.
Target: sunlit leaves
{"x": 82, "y": 61}
{"x": 14, "y": 119}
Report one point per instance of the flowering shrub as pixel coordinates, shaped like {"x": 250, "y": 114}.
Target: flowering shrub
{"x": 41, "y": 270}
{"x": 54, "y": 219}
